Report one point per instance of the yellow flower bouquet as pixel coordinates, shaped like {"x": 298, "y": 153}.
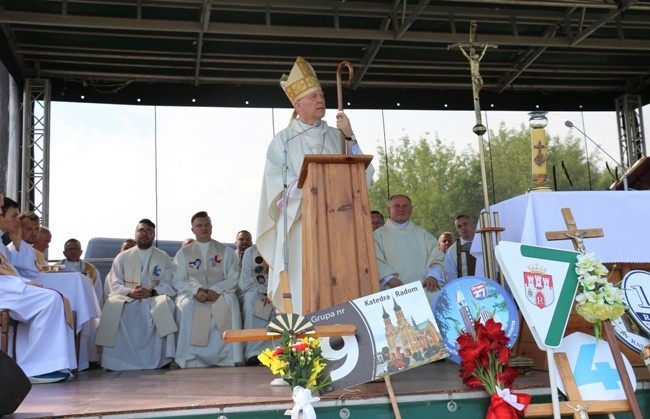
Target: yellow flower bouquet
{"x": 298, "y": 361}
{"x": 598, "y": 299}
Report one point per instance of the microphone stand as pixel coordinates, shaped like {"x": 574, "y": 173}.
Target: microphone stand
{"x": 570, "y": 125}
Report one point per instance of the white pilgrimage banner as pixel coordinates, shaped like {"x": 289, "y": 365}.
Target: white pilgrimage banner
{"x": 543, "y": 281}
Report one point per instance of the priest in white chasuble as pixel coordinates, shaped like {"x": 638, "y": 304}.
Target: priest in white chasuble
{"x": 205, "y": 276}
{"x": 407, "y": 252}
{"x": 137, "y": 328}
{"x": 307, "y": 133}
{"x": 44, "y": 341}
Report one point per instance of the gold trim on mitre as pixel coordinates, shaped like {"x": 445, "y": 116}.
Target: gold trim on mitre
{"x": 300, "y": 82}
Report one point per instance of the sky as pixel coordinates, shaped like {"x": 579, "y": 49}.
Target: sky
{"x": 112, "y": 165}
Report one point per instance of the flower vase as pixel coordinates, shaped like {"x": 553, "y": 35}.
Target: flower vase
{"x": 302, "y": 407}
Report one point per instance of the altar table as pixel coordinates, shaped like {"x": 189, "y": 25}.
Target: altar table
{"x": 78, "y": 289}
{"x": 623, "y": 216}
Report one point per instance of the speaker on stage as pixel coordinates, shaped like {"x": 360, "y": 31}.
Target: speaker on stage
{"x": 15, "y": 385}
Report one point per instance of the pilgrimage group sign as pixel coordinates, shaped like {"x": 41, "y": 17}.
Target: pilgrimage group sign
{"x": 461, "y": 301}
{"x": 543, "y": 281}
{"x": 396, "y": 331}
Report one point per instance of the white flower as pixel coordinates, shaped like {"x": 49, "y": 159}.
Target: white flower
{"x": 598, "y": 299}
{"x": 612, "y": 294}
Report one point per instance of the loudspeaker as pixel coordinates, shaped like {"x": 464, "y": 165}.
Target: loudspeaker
{"x": 15, "y": 385}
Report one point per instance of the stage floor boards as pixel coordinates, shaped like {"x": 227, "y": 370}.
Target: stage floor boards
{"x": 96, "y": 393}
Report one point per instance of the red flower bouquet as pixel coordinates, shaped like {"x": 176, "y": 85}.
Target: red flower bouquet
{"x": 485, "y": 364}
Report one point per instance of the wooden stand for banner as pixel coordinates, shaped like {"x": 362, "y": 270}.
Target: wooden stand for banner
{"x": 575, "y": 404}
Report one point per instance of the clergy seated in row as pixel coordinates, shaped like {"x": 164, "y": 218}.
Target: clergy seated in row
{"x": 137, "y": 327}
{"x": 205, "y": 277}
{"x": 256, "y": 309}
{"x": 45, "y": 340}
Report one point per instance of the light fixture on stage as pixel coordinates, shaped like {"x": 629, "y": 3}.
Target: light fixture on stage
{"x": 538, "y": 149}
{"x": 618, "y": 164}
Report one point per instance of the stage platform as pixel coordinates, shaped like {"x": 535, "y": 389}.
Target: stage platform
{"x": 245, "y": 393}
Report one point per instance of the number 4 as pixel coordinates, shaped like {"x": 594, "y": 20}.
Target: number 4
{"x": 585, "y": 373}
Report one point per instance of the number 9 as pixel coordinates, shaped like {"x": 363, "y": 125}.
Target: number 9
{"x": 349, "y": 350}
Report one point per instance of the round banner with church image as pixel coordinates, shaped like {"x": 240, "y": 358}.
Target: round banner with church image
{"x": 461, "y": 301}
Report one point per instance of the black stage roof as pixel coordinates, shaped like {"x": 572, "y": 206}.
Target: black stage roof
{"x": 556, "y": 55}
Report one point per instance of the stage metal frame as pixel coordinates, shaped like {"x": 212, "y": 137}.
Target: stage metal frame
{"x": 631, "y": 135}
{"x": 35, "y": 170}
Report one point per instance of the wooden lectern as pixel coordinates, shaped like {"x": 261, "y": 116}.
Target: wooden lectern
{"x": 338, "y": 252}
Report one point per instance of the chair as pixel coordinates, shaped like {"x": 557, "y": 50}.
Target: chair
{"x": 6, "y": 323}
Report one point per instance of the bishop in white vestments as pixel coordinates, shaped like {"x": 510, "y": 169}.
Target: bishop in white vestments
{"x": 137, "y": 328}
{"x": 205, "y": 276}
{"x": 306, "y": 134}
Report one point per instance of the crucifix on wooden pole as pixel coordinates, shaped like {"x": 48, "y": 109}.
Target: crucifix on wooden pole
{"x": 576, "y": 402}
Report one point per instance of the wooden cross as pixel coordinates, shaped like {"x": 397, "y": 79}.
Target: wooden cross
{"x": 573, "y": 233}
{"x": 245, "y": 335}
{"x": 575, "y": 404}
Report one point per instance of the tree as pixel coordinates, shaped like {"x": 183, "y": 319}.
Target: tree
{"x": 433, "y": 176}
{"x": 443, "y": 183}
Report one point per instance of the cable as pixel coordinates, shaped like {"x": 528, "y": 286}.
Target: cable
{"x": 383, "y": 124}
{"x": 155, "y": 162}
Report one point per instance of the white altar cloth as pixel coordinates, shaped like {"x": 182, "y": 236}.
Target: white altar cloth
{"x": 78, "y": 289}
{"x": 623, "y": 216}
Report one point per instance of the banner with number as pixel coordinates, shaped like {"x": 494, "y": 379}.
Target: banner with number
{"x": 543, "y": 281}
{"x": 396, "y": 331}
{"x": 466, "y": 299}
{"x": 593, "y": 368}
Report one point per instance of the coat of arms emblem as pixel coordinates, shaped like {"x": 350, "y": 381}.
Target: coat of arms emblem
{"x": 539, "y": 286}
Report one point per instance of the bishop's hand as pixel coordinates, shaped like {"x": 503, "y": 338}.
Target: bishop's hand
{"x": 343, "y": 124}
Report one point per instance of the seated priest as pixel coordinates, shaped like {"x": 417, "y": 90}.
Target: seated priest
{"x": 30, "y": 223}
{"x": 30, "y": 263}
{"x": 44, "y": 341}
{"x": 73, "y": 263}
{"x": 205, "y": 277}
{"x": 137, "y": 327}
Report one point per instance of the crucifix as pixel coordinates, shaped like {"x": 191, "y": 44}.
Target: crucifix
{"x": 572, "y": 232}
{"x": 576, "y": 403}
{"x": 474, "y": 51}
